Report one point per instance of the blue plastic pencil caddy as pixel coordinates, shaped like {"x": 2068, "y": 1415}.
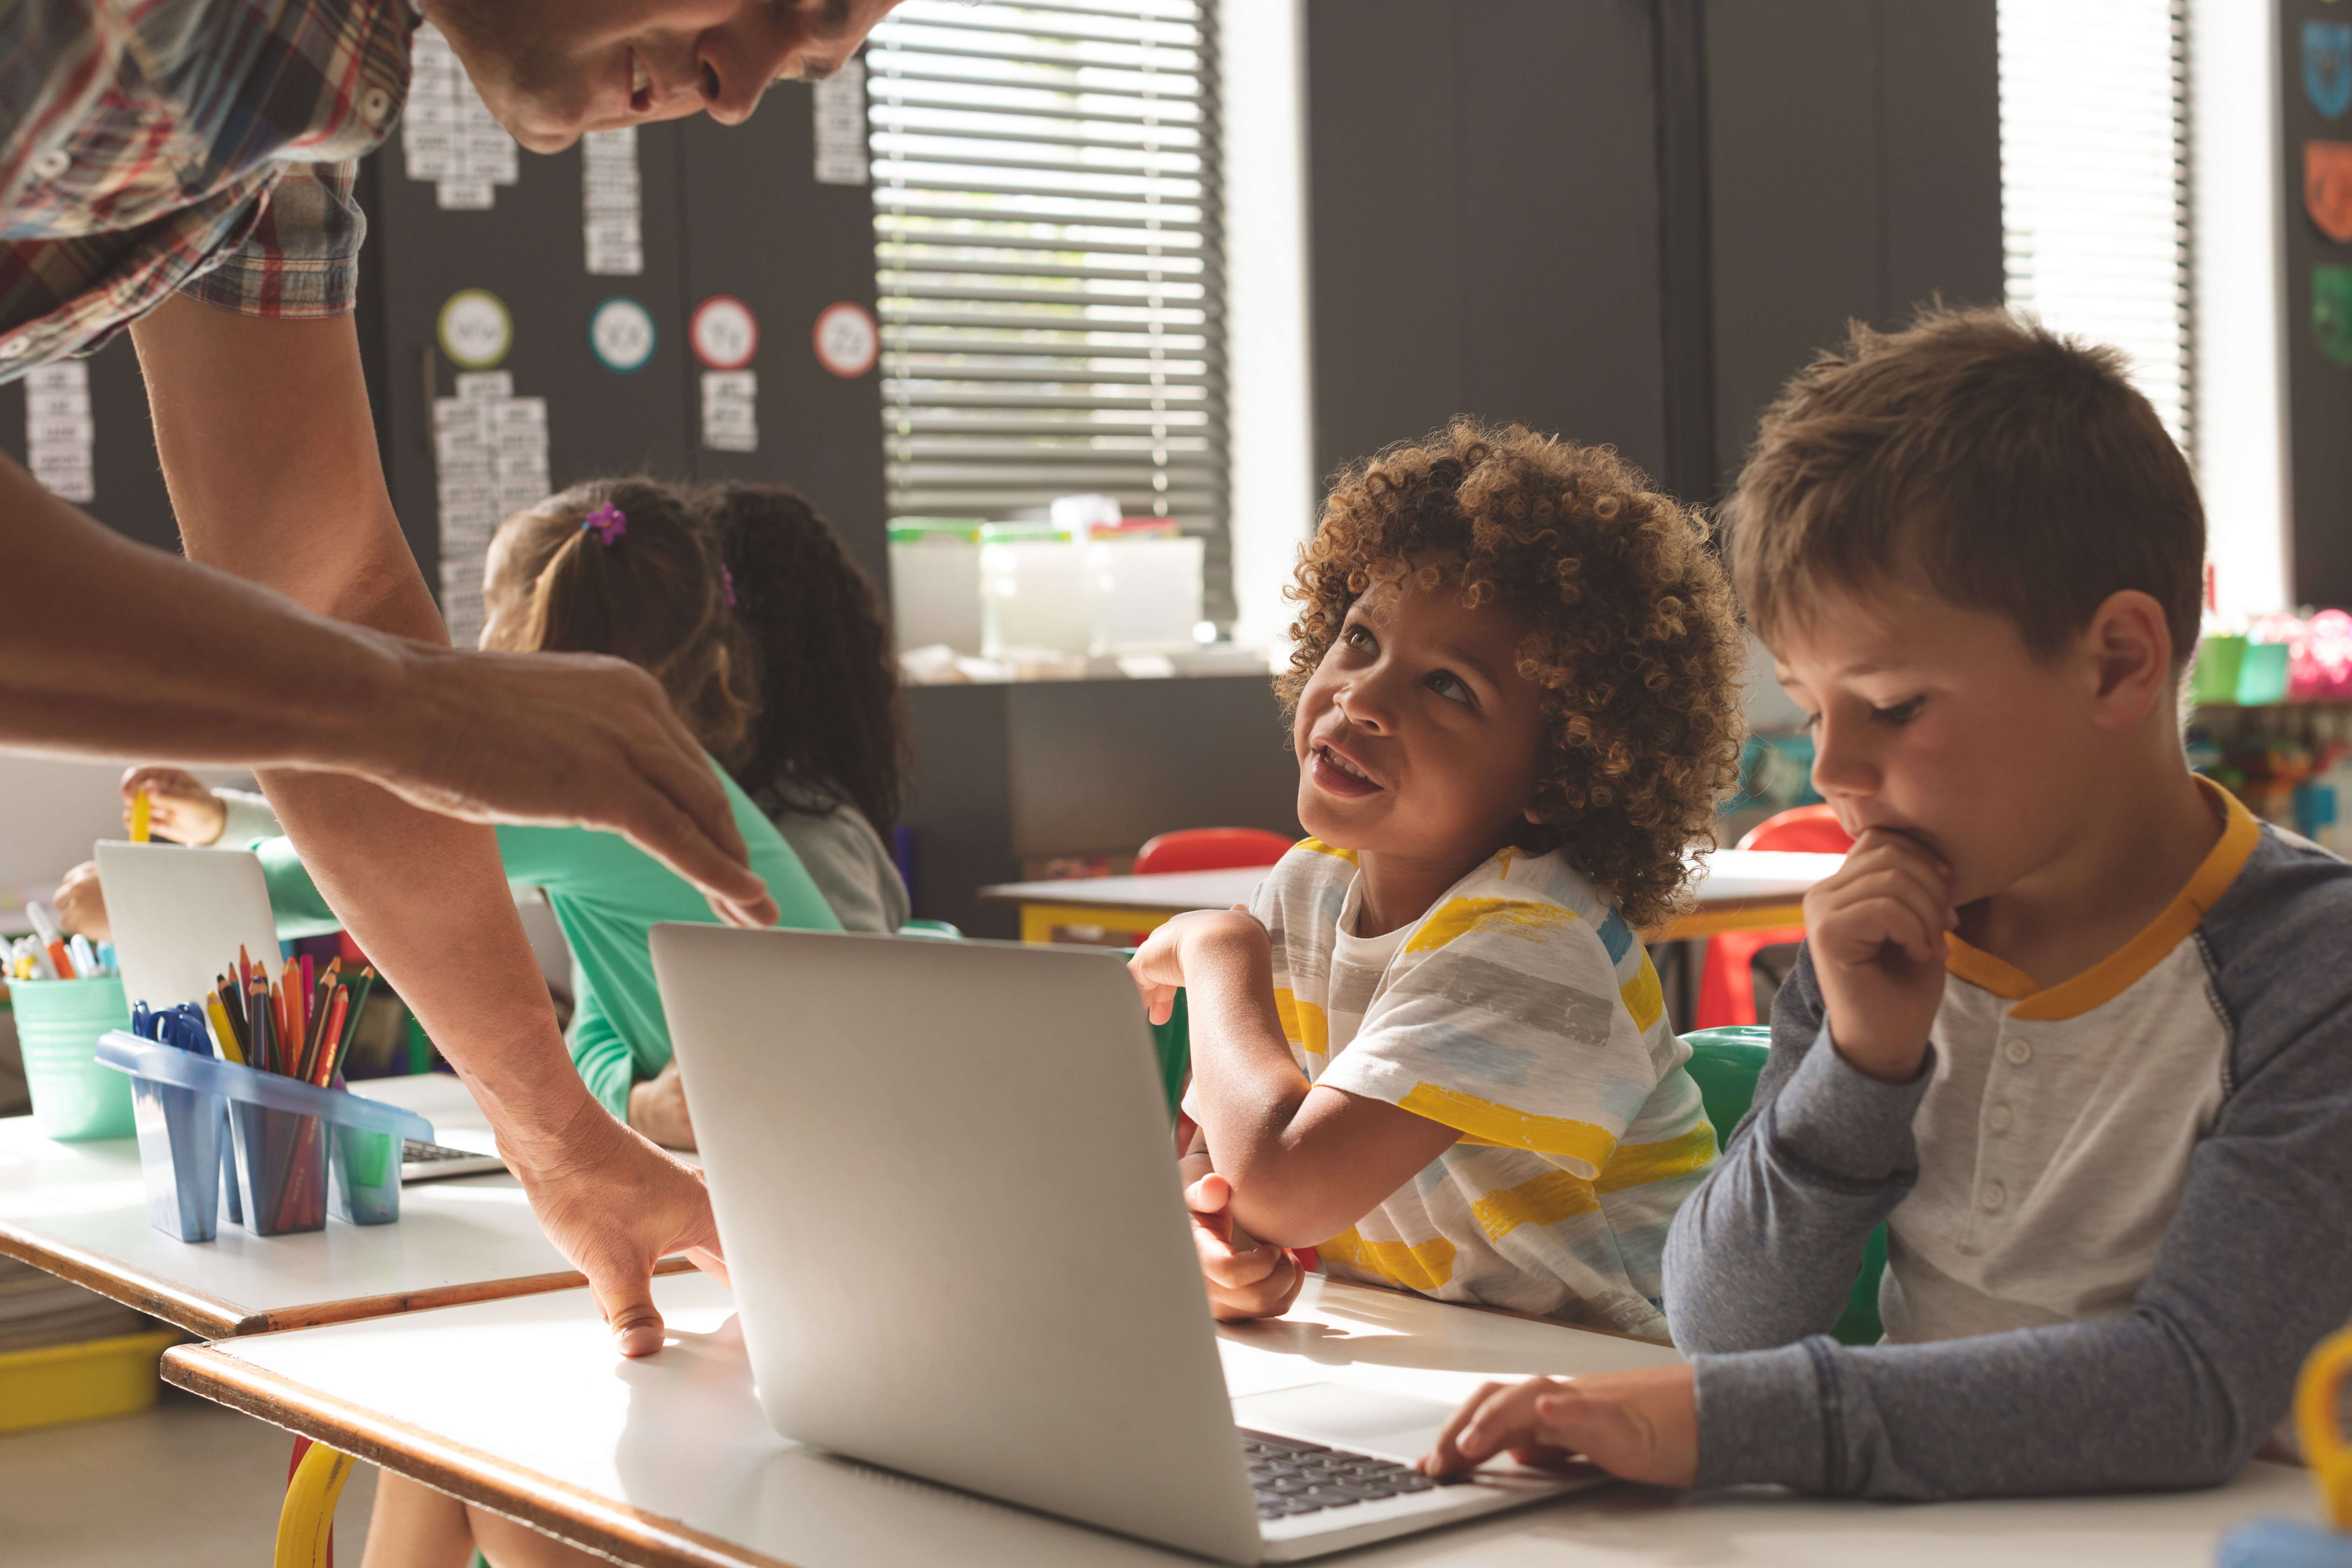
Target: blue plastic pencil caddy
{"x": 274, "y": 1149}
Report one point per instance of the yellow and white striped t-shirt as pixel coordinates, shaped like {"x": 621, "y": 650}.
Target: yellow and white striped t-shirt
{"x": 1521, "y": 1010}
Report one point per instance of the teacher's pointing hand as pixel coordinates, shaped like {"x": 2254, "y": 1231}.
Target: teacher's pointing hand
{"x": 582, "y": 740}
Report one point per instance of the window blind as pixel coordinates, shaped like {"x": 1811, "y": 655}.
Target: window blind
{"x": 2094, "y": 181}
{"x": 1049, "y": 245}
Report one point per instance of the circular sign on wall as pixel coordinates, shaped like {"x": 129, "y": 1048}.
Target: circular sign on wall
{"x": 475, "y": 329}
{"x": 724, "y": 332}
{"x": 848, "y": 341}
{"x": 621, "y": 332}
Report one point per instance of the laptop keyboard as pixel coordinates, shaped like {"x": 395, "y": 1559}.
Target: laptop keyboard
{"x": 1291, "y": 1477}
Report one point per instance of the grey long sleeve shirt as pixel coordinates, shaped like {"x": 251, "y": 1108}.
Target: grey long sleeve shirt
{"x": 2155, "y": 1346}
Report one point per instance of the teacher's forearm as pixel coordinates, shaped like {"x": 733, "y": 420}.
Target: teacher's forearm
{"x": 111, "y": 648}
{"x": 268, "y": 450}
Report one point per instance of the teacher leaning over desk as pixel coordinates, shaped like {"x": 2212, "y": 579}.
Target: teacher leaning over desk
{"x": 184, "y": 168}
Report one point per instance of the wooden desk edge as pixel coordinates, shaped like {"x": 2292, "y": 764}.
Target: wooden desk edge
{"x": 208, "y": 1316}
{"x": 573, "y": 1513}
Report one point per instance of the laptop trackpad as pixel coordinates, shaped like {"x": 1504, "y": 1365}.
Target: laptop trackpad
{"x": 1391, "y": 1426}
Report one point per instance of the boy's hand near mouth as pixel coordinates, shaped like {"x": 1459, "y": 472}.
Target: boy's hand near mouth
{"x": 1876, "y": 930}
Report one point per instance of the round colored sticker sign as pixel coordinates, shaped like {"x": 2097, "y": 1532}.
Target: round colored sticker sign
{"x": 724, "y": 332}
{"x": 621, "y": 332}
{"x": 475, "y": 329}
{"x": 848, "y": 341}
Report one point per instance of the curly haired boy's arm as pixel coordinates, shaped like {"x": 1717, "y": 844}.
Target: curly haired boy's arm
{"x": 1766, "y": 1251}
{"x": 2177, "y": 1393}
{"x": 1305, "y": 1163}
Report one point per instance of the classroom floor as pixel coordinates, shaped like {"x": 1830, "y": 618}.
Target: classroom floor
{"x": 187, "y": 1483}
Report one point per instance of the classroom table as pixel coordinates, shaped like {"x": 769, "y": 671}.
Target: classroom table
{"x": 1738, "y": 889}
{"x": 79, "y": 1211}
{"x": 522, "y": 1406}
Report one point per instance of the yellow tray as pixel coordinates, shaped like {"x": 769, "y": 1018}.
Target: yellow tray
{"x": 57, "y": 1383}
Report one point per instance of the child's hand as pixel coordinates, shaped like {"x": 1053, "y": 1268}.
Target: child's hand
{"x": 1246, "y": 1278}
{"x": 1158, "y": 965}
{"x": 81, "y": 904}
{"x": 657, "y": 1109}
{"x": 1876, "y": 931}
{"x": 1639, "y": 1425}
{"x": 180, "y": 806}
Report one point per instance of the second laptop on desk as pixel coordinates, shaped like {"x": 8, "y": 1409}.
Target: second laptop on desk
{"x": 943, "y": 1178}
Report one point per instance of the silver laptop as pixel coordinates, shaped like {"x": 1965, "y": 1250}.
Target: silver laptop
{"x": 179, "y": 916}
{"x": 943, "y": 1176}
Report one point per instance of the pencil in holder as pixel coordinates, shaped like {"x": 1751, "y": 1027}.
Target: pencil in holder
{"x": 285, "y": 1138}
{"x": 181, "y": 1140}
{"x": 281, "y": 1168}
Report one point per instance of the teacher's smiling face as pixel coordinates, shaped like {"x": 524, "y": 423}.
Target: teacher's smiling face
{"x": 549, "y": 70}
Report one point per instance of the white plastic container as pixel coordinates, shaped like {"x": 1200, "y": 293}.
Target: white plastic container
{"x": 935, "y": 594}
{"x": 1144, "y": 594}
{"x": 1033, "y": 595}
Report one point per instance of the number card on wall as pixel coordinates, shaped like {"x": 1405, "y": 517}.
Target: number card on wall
{"x": 448, "y": 136}
{"x": 489, "y": 451}
{"x": 59, "y": 434}
{"x": 841, "y": 126}
{"x": 612, "y": 203}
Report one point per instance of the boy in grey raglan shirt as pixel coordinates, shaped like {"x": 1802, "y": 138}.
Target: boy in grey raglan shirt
{"x": 2073, "y": 1023}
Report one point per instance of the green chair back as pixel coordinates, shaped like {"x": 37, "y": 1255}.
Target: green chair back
{"x": 1726, "y": 1064}
{"x": 935, "y": 930}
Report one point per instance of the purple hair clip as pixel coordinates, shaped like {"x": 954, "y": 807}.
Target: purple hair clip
{"x": 726, "y": 580}
{"x": 608, "y": 522}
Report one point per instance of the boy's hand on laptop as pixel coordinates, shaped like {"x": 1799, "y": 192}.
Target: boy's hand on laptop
{"x": 1246, "y": 1278}
{"x": 1158, "y": 965}
{"x": 1875, "y": 928}
{"x": 180, "y": 806}
{"x": 1637, "y": 1425}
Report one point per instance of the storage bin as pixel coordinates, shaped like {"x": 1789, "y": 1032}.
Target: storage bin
{"x": 1032, "y": 594}
{"x": 58, "y": 1023}
{"x": 935, "y": 583}
{"x": 1144, "y": 594}
{"x": 57, "y": 1383}
{"x": 298, "y": 1147}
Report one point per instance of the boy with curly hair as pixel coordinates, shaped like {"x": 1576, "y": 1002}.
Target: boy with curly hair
{"x": 1434, "y": 1048}
{"x": 2070, "y": 1021}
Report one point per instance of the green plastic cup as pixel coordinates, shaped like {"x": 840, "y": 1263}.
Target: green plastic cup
{"x": 58, "y": 1025}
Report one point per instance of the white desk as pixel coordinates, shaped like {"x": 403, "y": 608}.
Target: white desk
{"x": 521, "y": 1406}
{"x": 1738, "y": 889}
{"x": 79, "y": 1210}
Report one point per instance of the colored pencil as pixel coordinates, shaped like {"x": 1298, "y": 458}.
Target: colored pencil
{"x": 229, "y": 1048}
{"x": 332, "y": 1058}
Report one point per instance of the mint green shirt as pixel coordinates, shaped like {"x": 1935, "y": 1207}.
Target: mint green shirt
{"x": 607, "y": 895}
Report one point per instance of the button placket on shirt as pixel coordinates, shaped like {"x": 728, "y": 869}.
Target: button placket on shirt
{"x": 2016, "y": 1052}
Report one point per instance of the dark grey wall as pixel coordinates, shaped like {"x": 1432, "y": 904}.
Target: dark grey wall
{"x": 1483, "y": 220}
{"x": 1854, "y": 172}
{"x": 1486, "y": 213}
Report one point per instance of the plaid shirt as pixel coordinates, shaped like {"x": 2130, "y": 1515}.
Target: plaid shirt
{"x": 207, "y": 146}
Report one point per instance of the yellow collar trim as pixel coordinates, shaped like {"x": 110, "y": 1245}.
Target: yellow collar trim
{"x": 2120, "y": 970}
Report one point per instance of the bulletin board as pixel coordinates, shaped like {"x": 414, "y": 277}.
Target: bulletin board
{"x": 2315, "y": 96}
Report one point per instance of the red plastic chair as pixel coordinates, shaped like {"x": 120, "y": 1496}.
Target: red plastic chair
{"x": 1210, "y": 849}
{"x": 1727, "y": 984}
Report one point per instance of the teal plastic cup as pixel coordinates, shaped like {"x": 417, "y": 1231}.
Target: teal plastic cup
{"x": 58, "y": 1025}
